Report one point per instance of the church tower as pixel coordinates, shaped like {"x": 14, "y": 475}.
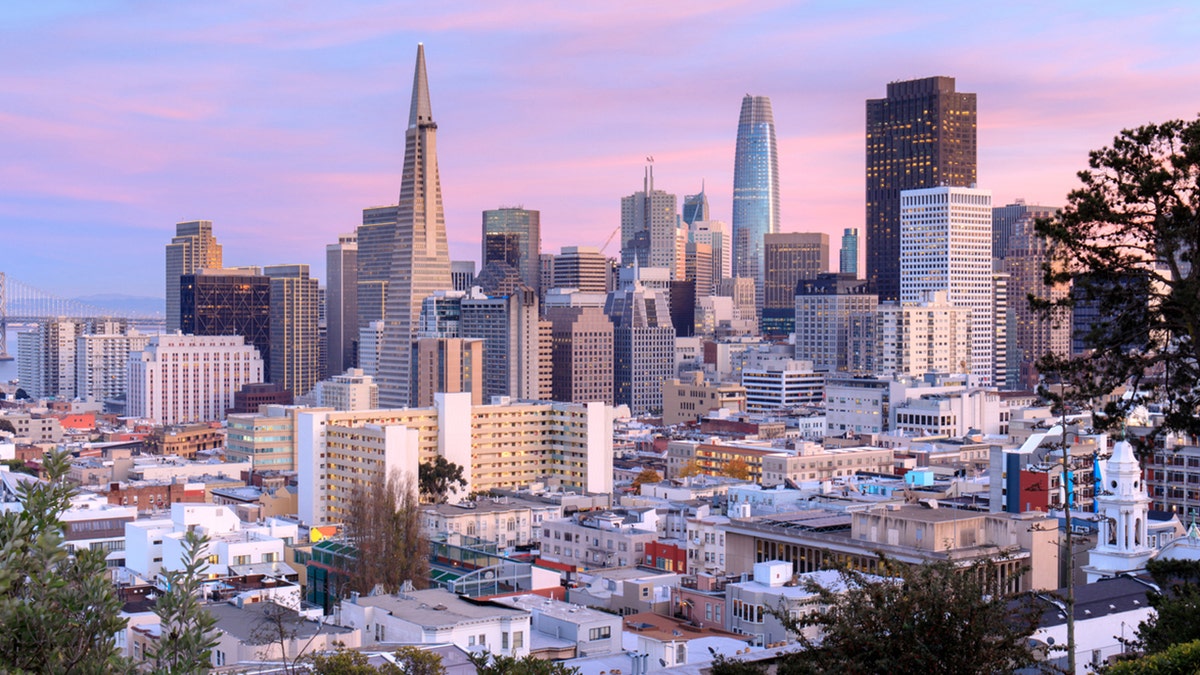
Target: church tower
{"x": 1122, "y": 545}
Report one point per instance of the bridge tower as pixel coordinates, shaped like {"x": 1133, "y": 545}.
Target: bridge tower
{"x": 4, "y": 355}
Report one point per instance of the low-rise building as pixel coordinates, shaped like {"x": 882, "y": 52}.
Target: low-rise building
{"x": 591, "y": 631}
{"x": 505, "y": 521}
{"x": 605, "y": 539}
{"x": 436, "y": 616}
{"x": 693, "y": 399}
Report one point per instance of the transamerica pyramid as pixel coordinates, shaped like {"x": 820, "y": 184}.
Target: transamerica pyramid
{"x": 421, "y": 258}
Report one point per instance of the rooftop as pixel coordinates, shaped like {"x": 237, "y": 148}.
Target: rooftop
{"x": 435, "y": 608}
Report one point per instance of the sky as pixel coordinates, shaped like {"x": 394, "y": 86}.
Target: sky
{"x": 280, "y": 121}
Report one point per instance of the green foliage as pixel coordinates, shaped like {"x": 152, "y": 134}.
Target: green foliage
{"x": 1127, "y": 242}
{"x": 1180, "y": 659}
{"x": 21, "y": 395}
{"x": 439, "y": 478}
{"x": 498, "y": 664}
{"x": 417, "y": 661}
{"x": 646, "y": 476}
{"x": 1176, "y": 617}
{"x": 384, "y": 526}
{"x": 6, "y": 425}
{"x": 928, "y": 619}
{"x": 58, "y": 610}
{"x": 723, "y": 665}
{"x": 188, "y": 630}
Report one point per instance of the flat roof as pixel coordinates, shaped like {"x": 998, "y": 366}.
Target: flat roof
{"x": 435, "y": 608}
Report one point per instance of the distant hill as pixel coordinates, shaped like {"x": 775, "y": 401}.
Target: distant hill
{"x": 133, "y": 303}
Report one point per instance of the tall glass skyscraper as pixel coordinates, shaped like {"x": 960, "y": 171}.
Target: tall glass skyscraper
{"x": 755, "y": 187}
{"x": 848, "y": 264}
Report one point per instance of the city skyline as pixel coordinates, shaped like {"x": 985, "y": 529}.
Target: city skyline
{"x": 280, "y": 127}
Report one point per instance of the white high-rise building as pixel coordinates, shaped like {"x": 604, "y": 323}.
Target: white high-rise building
{"x": 946, "y": 245}
{"x": 102, "y": 363}
{"x": 715, "y": 233}
{"x": 183, "y": 379}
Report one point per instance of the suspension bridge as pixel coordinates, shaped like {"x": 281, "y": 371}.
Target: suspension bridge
{"x": 21, "y": 303}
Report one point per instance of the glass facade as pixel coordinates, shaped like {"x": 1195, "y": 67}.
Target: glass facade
{"x": 513, "y": 236}
{"x": 755, "y": 187}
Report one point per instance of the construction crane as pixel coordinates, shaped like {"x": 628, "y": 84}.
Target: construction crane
{"x": 610, "y": 238}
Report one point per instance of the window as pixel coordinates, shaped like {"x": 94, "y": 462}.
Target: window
{"x": 600, "y": 633}
{"x": 518, "y": 639}
{"x": 470, "y": 640}
{"x": 504, "y": 640}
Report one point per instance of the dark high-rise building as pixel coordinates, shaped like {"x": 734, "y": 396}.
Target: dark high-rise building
{"x": 341, "y": 305}
{"x": 922, "y": 135}
{"x": 421, "y": 255}
{"x": 755, "y": 188}
{"x": 695, "y": 207}
{"x": 235, "y": 301}
{"x": 789, "y": 257}
{"x": 514, "y": 236}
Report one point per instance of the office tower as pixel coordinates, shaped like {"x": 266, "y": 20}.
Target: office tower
{"x": 545, "y": 274}
{"x": 946, "y": 245}
{"x": 714, "y": 233}
{"x": 295, "y": 360}
{"x": 581, "y": 267}
{"x": 514, "y": 356}
{"x": 650, "y": 228}
{"x": 742, "y": 291}
{"x": 835, "y": 324}
{"x": 788, "y": 258}
{"x": 916, "y": 338}
{"x": 921, "y": 136}
{"x": 102, "y": 361}
{"x": 848, "y": 263}
{"x": 370, "y": 346}
{"x": 376, "y": 244}
{"x": 233, "y": 301}
{"x": 582, "y": 348}
{"x": 643, "y": 346}
{"x": 192, "y": 249}
{"x": 682, "y": 299}
{"x": 421, "y": 262}
{"x": 441, "y": 314}
{"x": 499, "y": 279}
{"x": 447, "y": 365}
{"x": 514, "y": 236}
{"x": 184, "y": 379}
{"x": 698, "y": 269}
{"x": 695, "y": 207}
{"x": 755, "y": 188}
{"x": 462, "y": 274}
{"x": 1021, "y": 253}
{"x": 341, "y": 304}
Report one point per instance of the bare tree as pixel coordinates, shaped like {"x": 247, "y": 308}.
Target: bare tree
{"x": 383, "y": 523}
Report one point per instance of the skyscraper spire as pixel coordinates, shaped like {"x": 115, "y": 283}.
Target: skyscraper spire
{"x": 421, "y": 258}
{"x": 420, "y": 112}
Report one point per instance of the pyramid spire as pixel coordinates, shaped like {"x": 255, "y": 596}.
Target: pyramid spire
{"x": 421, "y": 111}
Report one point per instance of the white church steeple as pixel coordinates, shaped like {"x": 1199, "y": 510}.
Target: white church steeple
{"x": 1122, "y": 545}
